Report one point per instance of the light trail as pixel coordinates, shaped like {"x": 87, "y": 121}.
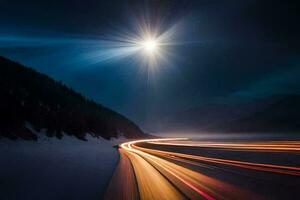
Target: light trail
{"x": 194, "y": 185}
{"x": 164, "y": 174}
{"x": 153, "y": 186}
{"x": 248, "y": 165}
{"x": 268, "y": 146}
{"x": 161, "y": 163}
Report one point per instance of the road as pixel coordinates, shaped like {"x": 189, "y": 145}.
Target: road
{"x": 177, "y": 168}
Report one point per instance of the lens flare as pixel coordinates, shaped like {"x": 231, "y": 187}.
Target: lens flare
{"x": 145, "y": 45}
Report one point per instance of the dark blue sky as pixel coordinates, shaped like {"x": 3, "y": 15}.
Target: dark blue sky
{"x": 225, "y": 51}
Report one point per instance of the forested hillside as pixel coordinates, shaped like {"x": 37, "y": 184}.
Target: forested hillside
{"x": 33, "y": 98}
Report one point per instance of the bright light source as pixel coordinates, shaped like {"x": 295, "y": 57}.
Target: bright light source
{"x": 150, "y": 45}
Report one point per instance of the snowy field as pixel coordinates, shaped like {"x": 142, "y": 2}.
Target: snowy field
{"x": 55, "y": 169}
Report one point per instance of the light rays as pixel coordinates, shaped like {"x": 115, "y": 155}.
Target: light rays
{"x": 146, "y": 46}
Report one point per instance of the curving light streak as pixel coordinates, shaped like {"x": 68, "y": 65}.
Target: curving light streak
{"x": 266, "y": 146}
{"x": 165, "y": 165}
{"x": 181, "y": 170}
{"x": 193, "y": 185}
{"x": 295, "y": 171}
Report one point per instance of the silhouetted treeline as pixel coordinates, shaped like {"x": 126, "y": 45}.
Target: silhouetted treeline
{"x": 28, "y": 96}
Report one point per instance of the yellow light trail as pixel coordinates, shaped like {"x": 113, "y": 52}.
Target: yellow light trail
{"x": 192, "y": 184}
{"x": 267, "y": 146}
{"x": 162, "y": 174}
{"x": 248, "y": 165}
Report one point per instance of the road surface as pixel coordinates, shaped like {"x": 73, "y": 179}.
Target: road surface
{"x": 171, "y": 169}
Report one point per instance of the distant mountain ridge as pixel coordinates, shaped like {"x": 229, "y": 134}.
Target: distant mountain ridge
{"x": 29, "y": 96}
{"x": 270, "y": 114}
{"x": 281, "y": 116}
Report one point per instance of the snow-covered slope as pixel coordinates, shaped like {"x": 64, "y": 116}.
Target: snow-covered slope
{"x": 55, "y": 169}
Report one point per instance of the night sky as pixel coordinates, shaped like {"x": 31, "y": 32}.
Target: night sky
{"x": 219, "y": 51}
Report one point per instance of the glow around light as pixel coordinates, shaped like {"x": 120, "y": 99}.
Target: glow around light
{"x": 150, "y": 45}
{"x": 146, "y": 46}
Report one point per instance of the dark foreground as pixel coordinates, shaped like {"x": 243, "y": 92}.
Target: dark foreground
{"x": 183, "y": 169}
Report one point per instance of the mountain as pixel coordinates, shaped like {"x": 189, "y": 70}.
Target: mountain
{"x": 269, "y": 114}
{"x": 280, "y": 116}
{"x": 29, "y": 97}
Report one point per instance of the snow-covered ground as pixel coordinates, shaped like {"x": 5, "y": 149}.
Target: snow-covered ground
{"x": 55, "y": 169}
